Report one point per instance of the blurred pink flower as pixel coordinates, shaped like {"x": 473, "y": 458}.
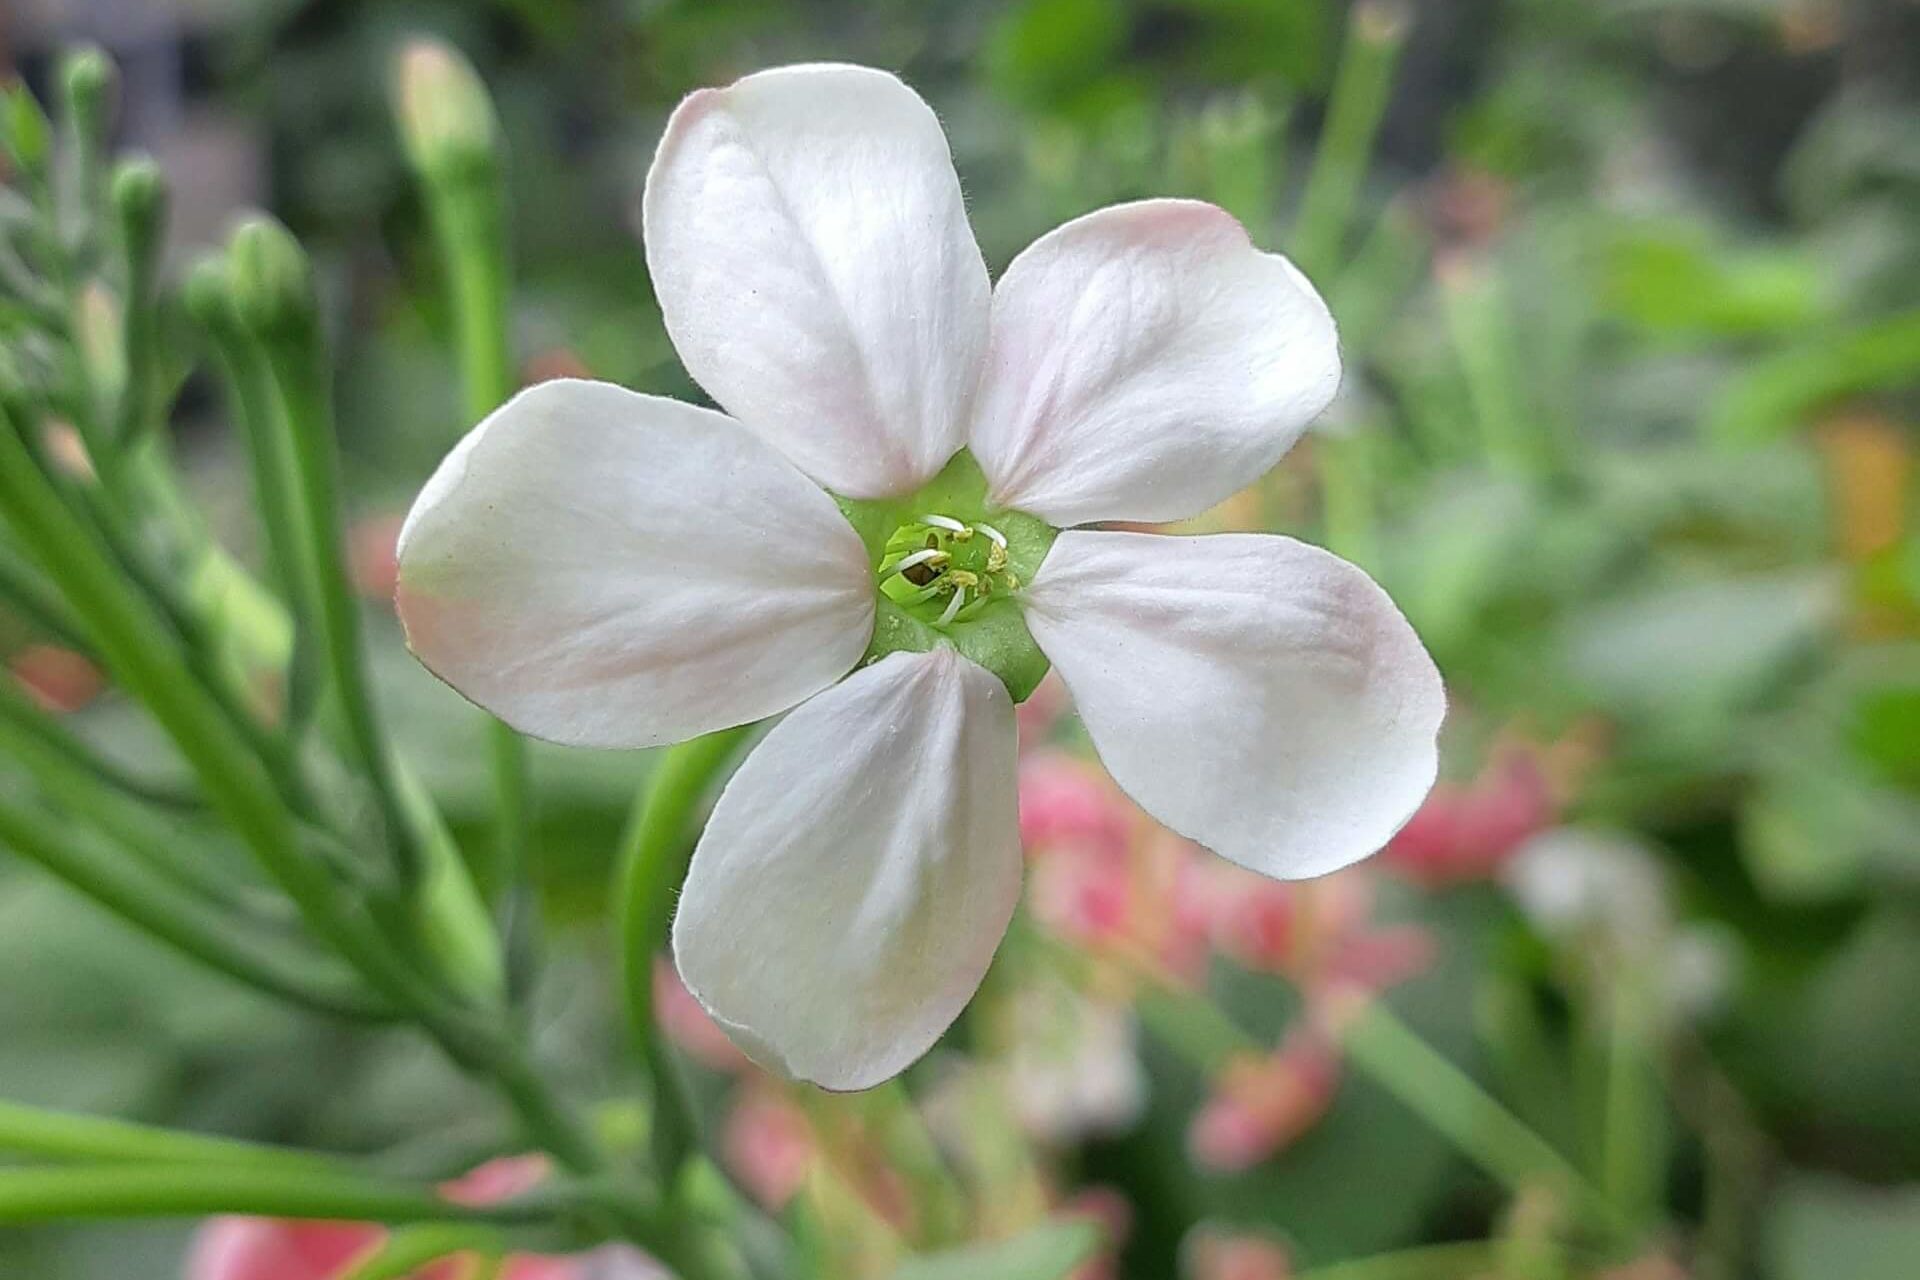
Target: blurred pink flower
{"x": 1036, "y": 717}
{"x": 769, "y": 1144}
{"x": 235, "y": 1248}
{"x": 1217, "y": 1255}
{"x": 1466, "y": 833}
{"x": 1105, "y": 876}
{"x": 1318, "y": 934}
{"x": 1110, "y": 1211}
{"x": 689, "y": 1026}
{"x": 58, "y": 679}
{"x": 1260, "y": 1105}
{"x": 372, "y": 556}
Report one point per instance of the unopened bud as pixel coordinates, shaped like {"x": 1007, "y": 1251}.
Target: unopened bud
{"x": 271, "y": 278}
{"x": 446, "y": 120}
{"x": 139, "y": 195}
{"x": 86, "y": 82}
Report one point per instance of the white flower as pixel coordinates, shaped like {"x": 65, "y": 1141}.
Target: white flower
{"x": 610, "y": 569}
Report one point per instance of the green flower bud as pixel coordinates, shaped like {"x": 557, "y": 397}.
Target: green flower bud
{"x": 446, "y": 120}
{"x": 24, "y": 131}
{"x": 208, "y": 295}
{"x": 272, "y": 280}
{"x": 139, "y": 194}
{"x": 87, "y": 80}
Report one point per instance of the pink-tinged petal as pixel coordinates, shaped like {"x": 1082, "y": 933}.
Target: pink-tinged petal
{"x": 814, "y": 266}
{"x": 1253, "y": 693}
{"x": 858, "y": 872}
{"x": 769, "y": 1145}
{"x": 1147, "y": 362}
{"x": 234, "y": 1248}
{"x": 1260, "y": 1106}
{"x": 608, "y": 569}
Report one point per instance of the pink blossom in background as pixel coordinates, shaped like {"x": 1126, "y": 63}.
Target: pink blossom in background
{"x": 1112, "y": 1213}
{"x": 1260, "y": 1105}
{"x": 58, "y": 679}
{"x": 1036, "y": 717}
{"x": 1319, "y": 934}
{"x": 769, "y": 1145}
{"x": 1466, "y": 833}
{"x": 689, "y": 1026}
{"x": 1210, "y": 1254}
{"x": 1105, "y": 876}
{"x": 236, "y": 1248}
{"x": 372, "y": 558}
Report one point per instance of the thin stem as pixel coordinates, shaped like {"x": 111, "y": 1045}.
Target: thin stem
{"x": 1345, "y": 464}
{"x": 276, "y": 491}
{"x": 142, "y": 654}
{"x": 653, "y": 862}
{"x": 1443, "y": 1095}
{"x": 470, "y": 230}
{"x": 63, "y": 1135}
{"x": 21, "y": 719}
{"x": 1376, "y": 32}
{"x": 166, "y": 913}
{"x": 296, "y": 357}
{"x": 192, "y": 1190}
{"x": 1483, "y": 339}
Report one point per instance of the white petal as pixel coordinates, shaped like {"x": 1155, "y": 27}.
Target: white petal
{"x": 1147, "y": 362}
{"x": 814, "y": 266}
{"x": 1253, "y": 693}
{"x": 858, "y": 872}
{"x": 609, "y": 569}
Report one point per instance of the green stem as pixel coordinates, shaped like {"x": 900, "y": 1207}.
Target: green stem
{"x": 22, "y": 720}
{"x": 1483, "y": 340}
{"x": 470, "y": 230}
{"x": 140, "y": 651}
{"x": 296, "y": 358}
{"x": 1345, "y": 464}
{"x": 161, "y": 910}
{"x": 1448, "y": 1099}
{"x": 22, "y": 590}
{"x": 653, "y": 862}
{"x": 192, "y": 1190}
{"x": 64, "y": 1135}
{"x": 1376, "y": 32}
{"x": 275, "y": 483}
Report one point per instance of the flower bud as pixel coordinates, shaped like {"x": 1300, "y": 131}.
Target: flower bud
{"x": 446, "y": 121}
{"x": 139, "y": 194}
{"x": 271, "y": 278}
{"x": 87, "y": 81}
{"x": 208, "y": 295}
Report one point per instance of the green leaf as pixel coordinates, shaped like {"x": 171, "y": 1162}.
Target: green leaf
{"x": 1048, "y": 1252}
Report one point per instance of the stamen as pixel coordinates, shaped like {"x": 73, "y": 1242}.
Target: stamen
{"x": 929, "y": 556}
{"x": 944, "y": 522}
{"x": 953, "y": 606}
{"x": 999, "y": 538}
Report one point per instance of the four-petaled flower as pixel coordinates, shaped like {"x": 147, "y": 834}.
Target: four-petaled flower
{"x": 866, "y": 539}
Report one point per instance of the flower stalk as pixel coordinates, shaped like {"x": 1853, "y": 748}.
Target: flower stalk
{"x": 451, "y": 138}
{"x": 1376, "y": 32}
{"x": 653, "y": 861}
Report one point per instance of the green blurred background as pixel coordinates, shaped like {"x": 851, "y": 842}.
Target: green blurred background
{"x": 1630, "y": 299}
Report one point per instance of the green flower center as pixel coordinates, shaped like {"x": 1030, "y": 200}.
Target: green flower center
{"x": 947, "y": 565}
